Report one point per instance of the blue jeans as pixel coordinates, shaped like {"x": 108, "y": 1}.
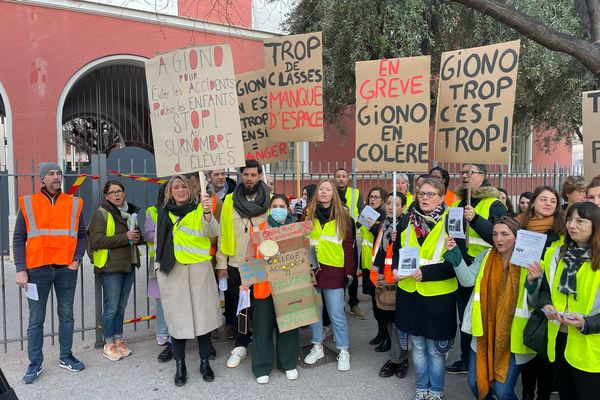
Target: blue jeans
{"x": 116, "y": 287}
{"x": 430, "y": 365}
{"x": 161, "y": 323}
{"x": 501, "y": 391}
{"x": 64, "y": 281}
{"x": 334, "y": 300}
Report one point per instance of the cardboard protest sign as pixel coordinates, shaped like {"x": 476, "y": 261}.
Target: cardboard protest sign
{"x": 294, "y": 73}
{"x": 252, "y": 272}
{"x": 475, "y": 106}
{"x": 194, "y": 110}
{"x": 392, "y": 114}
{"x": 591, "y": 133}
{"x": 287, "y": 264}
{"x": 283, "y": 232}
{"x": 296, "y": 302}
{"x": 254, "y": 117}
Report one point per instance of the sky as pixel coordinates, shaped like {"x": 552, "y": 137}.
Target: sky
{"x": 267, "y": 16}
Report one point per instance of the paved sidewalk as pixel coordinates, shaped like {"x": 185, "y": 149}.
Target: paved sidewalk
{"x": 141, "y": 376}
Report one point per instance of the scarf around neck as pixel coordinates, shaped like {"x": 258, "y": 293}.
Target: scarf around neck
{"x": 251, "y": 208}
{"x": 540, "y": 225}
{"x": 323, "y": 214}
{"x": 387, "y": 227}
{"x": 424, "y": 222}
{"x": 574, "y": 258}
{"x": 165, "y": 250}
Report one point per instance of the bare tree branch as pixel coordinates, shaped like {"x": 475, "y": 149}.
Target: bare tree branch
{"x": 587, "y": 53}
{"x": 593, "y": 8}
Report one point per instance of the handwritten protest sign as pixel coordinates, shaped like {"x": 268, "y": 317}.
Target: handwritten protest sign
{"x": 254, "y": 117}
{"x": 591, "y": 133}
{"x": 286, "y": 264}
{"x": 294, "y": 73}
{"x": 296, "y": 302}
{"x": 475, "y": 104}
{"x": 194, "y": 110}
{"x": 392, "y": 114}
{"x": 283, "y": 232}
{"x": 252, "y": 272}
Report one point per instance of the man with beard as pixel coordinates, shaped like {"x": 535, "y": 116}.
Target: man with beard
{"x": 244, "y": 211}
{"x": 220, "y": 182}
{"x": 485, "y": 208}
{"x": 341, "y": 182}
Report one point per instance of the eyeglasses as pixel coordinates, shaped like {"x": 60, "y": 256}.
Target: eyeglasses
{"x": 472, "y": 172}
{"x": 115, "y": 192}
{"x": 374, "y": 196}
{"x": 427, "y": 195}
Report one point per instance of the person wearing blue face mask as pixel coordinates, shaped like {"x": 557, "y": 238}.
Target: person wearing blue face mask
{"x": 263, "y": 312}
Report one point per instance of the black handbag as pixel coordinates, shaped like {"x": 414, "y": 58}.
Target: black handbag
{"x": 6, "y": 392}
{"x": 535, "y": 334}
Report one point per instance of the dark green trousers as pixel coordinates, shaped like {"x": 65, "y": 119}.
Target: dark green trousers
{"x": 287, "y": 343}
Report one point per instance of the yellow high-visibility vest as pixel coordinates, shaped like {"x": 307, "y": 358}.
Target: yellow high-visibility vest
{"x": 101, "y": 255}
{"x": 189, "y": 242}
{"x": 476, "y": 243}
{"x": 328, "y": 244}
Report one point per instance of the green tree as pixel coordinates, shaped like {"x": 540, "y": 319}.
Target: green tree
{"x": 549, "y": 83}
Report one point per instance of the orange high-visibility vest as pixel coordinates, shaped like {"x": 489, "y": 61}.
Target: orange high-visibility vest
{"x": 213, "y": 247}
{"x": 51, "y": 229}
{"x": 449, "y": 197}
{"x": 261, "y": 290}
{"x": 387, "y": 269}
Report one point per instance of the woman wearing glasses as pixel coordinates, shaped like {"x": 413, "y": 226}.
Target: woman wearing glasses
{"x": 113, "y": 235}
{"x": 426, "y": 296}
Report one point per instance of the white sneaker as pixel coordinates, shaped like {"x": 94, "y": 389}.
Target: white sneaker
{"x": 236, "y": 357}
{"x": 263, "y": 379}
{"x": 292, "y": 374}
{"x": 316, "y": 353}
{"x": 343, "y": 361}
{"x": 421, "y": 395}
{"x": 434, "y": 396}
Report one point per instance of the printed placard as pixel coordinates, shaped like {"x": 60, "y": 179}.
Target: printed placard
{"x": 254, "y": 118}
{"x": 194, "y": 110}
{"x": 476, "y": 101}
{"x": 392, "y": 114}
{"x": 591, "y": 133}
{"x": 294, "y": 73}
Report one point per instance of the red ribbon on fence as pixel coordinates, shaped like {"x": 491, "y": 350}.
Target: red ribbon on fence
{"x": 139, "y": 178}
{"x": 79, "y": 181}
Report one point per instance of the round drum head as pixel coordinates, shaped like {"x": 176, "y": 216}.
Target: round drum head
{"x": 268, "y": 248}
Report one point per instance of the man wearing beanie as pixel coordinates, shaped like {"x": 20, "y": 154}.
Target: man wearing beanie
{"x": 49, "y": 243}
{"x": 484, "y": 210}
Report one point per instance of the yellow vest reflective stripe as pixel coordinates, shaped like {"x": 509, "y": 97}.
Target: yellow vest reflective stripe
{"x": 227, "y": 239}
{"x": 520, "y": 318}
{"x": 476, "y": 243}
{"x": 366, "y": 252}
{"x": 101, "y": 255}
{"x": 153, "y": 214}
{"x": 582, "y": 351}
{"x": 352, "y": 207}
{"x": 430, "y": 253}
{"x": 328, "y": 245}
{"x": 409, "y": 200}
{"x": 189, "y": 242}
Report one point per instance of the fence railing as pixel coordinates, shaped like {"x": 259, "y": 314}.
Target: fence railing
{"x": 88, "y": 305}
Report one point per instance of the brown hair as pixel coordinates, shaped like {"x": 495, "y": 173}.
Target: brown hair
{"x": 558, "y": 227}
{"x": 571, "y": 184}
{"x": 339, "y": 212}
{"x": 589, "y": 211}
{"x": 110, "y": 183}
{"x": 594, "y": 183}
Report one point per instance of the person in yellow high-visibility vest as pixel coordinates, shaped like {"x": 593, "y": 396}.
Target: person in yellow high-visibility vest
{"x": 485, "y": 208}
{"x": 112, "y": 239}
{"x": 498, "y": 312}
{"x": 426, "y": 295}
{"x": 185, "y": 275}
{"x": 570, "y": 297}
{"x": 333, "y": 240}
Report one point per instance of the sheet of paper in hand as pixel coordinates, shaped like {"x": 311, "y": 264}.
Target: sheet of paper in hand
{"x": 409, "y": 260}
{"x": 455, "y": 222}
{"x": 367, "y": 213}
{"x": 529, "y": 247}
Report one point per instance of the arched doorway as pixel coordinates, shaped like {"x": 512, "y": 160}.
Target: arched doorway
{"x": 104, "y": 107}
{"x": 7, "y": 197}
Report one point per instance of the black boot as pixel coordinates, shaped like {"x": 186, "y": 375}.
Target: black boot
{"x": 180, "y": 372}
{"x": 213, "y": 353}
{"x": 167, "y": 354}
{"x": 384, "y": 346}
{"x": 377, "y": 339}
{"x": 207, "y": 373}
{"x": 402, "y": 369}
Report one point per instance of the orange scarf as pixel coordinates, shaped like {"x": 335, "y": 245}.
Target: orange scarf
{"x": 541, "y": 225}
{"x": 499, "y": 294}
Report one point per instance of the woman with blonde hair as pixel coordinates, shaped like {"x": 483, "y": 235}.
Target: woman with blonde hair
{"x": 185, "y": 275}
{"x": 333, "y": 240}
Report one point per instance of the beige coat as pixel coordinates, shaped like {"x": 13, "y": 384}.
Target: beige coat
{"x": 190, "y": 297}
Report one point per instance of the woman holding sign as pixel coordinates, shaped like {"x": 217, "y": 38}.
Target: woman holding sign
{"x": 263, "y": 311}
{"x": 543, "y": 216}
{"x": 425, "y": 299}
{"x": 333, "y": 240}
{"x": 185, "y": 275}
{"x": 570, "y": 298}
{"x": 497, "y": 312}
